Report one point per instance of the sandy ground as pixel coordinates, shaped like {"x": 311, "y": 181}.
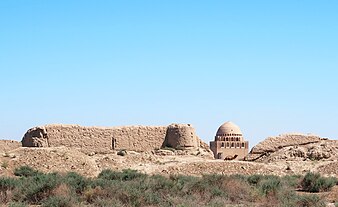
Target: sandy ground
{"x": 62, "y": 159}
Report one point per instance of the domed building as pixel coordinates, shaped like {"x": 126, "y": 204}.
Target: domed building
{"x": 229, "y": 143}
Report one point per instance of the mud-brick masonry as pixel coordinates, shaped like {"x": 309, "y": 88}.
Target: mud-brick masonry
{"x": 106, "y": 139}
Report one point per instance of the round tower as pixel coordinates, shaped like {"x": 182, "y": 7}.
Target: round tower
{"x": 181, "y": 136}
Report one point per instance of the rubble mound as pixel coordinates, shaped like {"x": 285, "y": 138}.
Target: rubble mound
{"x": 57, "y": 159}
{"x": 294, "y": 147}
{"x": 330, "y": 169}
{"x": 8, "y": 145}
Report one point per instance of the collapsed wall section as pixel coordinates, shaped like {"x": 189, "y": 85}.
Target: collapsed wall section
{"x": 273, "y": 144}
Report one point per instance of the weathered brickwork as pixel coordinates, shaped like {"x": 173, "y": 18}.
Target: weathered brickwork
{"x": 107, "y": 139}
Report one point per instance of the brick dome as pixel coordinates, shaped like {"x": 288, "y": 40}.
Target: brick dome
{"x": 228, "y": 128}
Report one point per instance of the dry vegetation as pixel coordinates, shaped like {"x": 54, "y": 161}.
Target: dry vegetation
{"x": 131, "y": 188}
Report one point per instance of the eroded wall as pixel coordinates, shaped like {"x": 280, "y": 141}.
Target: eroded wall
{"x": 107, "y": 139}
{"x": 181, "y": 136}
{"x": 96, "y": 139}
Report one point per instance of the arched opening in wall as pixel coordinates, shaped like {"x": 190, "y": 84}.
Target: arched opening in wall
{"x": 232, "y": 145}
{"x": 243, "y": 145}
{"x": 237, "y": 145}
{"x": 228, "y": 145}
{"x": 222, "y": 145}
{"x": 113, "y": 143}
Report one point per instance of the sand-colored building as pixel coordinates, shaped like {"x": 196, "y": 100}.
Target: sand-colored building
{"x": 108, "y": 139}
{"x": 229, "y": 143}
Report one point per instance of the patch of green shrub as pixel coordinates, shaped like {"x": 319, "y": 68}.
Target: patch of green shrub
{"x": 25, "y": 171}
{"x": 270, "y": 185}
{"x": 254, "y": 179}
{"x": 111, "y": 202}
{"x": 7, "y": 183}
{"x": 37, "y": 188}
{"x": 17, "y": 204}
{"x": 309, "y": 201}
{"x": 160, "y": 183}
{"x": 132, "y": 188}
{"x": 126, "y": 174}
{"x": 313, "y": 182}
{"x": 57, "y": 201}
{"x": 76, "y": 182}
{"x": 292, "y": 180}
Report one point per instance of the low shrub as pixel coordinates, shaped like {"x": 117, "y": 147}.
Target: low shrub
{"x": 313, "y": 182}
{"x": 132, "y": 188}
{"x": 76, "y": 182}
{"x": 126, "y": 174}
{"x": 37, "y": 188}
{"x": 111, "y": 202}
{"x": 270, "y": 185}
{"x": 159, "y": 182}
{"x": 56, "y": 201}
{"x": 17, "y": 204}
{"x": 292, "y": 180}
{"x": 91, "y": 194}
{"x": 254, "y": 179}
{"x": 309, "y": 201}
{"x": 237, "y": 190}
{"x": 7, "y": 185}
{"x": 25, "y": 171}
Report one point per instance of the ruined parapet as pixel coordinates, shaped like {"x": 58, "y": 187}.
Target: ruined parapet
{"x": 96, "y": 139}
{"x": 181, "y": 136}
{"x": 35, "y": 137}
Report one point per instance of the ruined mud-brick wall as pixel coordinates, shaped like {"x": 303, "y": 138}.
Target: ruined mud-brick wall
{"x": 272, "y": 144}
{"x": 181, "y": 136}
{"x": 96, "y": 139}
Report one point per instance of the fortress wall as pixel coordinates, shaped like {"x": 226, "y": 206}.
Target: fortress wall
{"x": 181, "y": 136}
{"x": 96, "y": 139}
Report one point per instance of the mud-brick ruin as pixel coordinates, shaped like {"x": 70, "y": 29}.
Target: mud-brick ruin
{"x": 229, "y": 143}
{"x": 108, "y": 139}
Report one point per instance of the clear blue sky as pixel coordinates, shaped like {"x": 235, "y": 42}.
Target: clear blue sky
{"x": 269, "y": 66}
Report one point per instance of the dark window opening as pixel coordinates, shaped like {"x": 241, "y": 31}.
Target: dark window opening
{"x": 113, "y": 143}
